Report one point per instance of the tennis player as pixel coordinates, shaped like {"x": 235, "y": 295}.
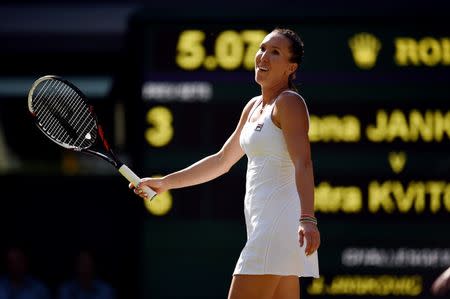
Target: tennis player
{"x": 282, "y": 233}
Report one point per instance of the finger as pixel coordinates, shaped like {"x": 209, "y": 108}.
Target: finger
{"x": 309, "y": 244}
{"x": 301, "y": 238}
{"x": 308, "y": 248}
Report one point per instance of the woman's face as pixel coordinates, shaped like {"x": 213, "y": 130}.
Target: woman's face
{"x": 272, "y": 61}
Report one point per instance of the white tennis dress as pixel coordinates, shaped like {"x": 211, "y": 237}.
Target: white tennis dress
{"x": 271, "y": 205}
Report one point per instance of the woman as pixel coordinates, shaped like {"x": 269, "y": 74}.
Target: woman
{"x": 282, "y": 234}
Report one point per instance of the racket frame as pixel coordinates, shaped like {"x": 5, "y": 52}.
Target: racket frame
{"x": 110, "y": 156}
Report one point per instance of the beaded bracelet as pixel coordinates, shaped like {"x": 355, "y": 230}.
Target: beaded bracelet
{"x": 310, "y": 219}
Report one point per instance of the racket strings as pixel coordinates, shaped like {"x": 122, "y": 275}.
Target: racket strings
{"x": 63, "y": 114}
{"x": 78, "y": 118}
{"x": 55, "y": 114}
{"x": 51, "y": 117}
{"x": 74, "y": 100}
{"x": 41, "y": 106}
{"x": 46, "y": 110}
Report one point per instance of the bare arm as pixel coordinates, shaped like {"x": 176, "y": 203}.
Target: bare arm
{"x": 209, "y": 167}
{"x": 291, "y": 115}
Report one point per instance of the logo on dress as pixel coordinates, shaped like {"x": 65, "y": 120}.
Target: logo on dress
{"x": 259, "y": 127}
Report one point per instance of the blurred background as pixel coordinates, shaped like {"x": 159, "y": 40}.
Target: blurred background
{"x": 168, "y": 81}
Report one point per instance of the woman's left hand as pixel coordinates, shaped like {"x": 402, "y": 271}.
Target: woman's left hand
{"x": 310, "y": 233}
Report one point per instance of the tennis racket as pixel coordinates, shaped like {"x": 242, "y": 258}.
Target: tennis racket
{"x": 61, "y": 111}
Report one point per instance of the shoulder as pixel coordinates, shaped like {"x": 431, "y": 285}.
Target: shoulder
{"x": 290, "y": 109}
{"x": 291, "y": 103}
{"x": 291, "y": 100}
{"x": 250, "y": 104}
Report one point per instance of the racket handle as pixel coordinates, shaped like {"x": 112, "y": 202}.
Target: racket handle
{"x": 135, "y": 180}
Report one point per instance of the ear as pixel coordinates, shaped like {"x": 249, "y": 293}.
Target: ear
{"x": 293, "y": 67}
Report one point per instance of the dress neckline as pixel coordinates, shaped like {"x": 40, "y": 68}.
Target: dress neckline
{"x": 264, "y": 109}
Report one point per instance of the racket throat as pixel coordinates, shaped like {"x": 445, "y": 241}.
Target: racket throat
{"x": 113, "y": 160}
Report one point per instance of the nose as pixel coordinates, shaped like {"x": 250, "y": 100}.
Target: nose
{"x": 264, "y": 56}
{"x": 261, "y": 57}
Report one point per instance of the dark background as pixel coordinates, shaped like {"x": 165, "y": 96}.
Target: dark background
{"x": 54, "y": 203}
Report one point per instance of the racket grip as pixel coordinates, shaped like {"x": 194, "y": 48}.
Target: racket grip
{"x": 135, "y": 180}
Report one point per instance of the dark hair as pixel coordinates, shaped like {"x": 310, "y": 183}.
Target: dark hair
{"x": 297, "y": 50}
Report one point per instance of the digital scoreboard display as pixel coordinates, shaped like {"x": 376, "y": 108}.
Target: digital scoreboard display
{"x": 378, "y": 96}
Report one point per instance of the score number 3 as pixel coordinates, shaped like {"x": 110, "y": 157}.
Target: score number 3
{"x": 229, "y": 49}
{"x": 161, "y": 132}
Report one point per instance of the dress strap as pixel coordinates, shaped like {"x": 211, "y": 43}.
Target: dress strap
{"x": 294, "y": 92}
{"x": 255, "y": 105}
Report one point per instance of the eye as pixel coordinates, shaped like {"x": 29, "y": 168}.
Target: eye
{"x": 276, "y": 52}
{"x": 262, "y": 48}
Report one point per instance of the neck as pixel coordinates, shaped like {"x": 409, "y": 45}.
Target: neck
{"x": 271, "y": 92}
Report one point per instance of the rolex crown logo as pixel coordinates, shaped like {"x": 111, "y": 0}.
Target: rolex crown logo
{"x": 365, "y": 48}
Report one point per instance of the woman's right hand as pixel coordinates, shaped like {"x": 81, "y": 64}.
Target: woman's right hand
{"x": 156, "y": 184}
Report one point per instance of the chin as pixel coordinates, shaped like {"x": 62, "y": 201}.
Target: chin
{"x": 259, "y": 80}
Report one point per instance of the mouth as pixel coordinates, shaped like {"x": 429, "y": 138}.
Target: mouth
{"x": 263, "y": 68}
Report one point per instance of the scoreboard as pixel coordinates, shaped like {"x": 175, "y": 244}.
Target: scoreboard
{"x": 378, "y": 96}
